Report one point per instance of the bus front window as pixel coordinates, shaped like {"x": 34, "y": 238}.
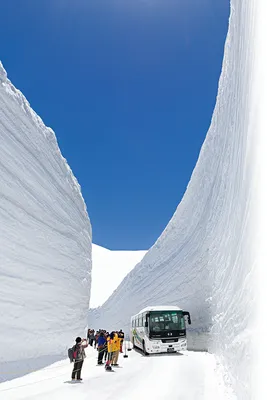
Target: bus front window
{"x": 166, "y": 321}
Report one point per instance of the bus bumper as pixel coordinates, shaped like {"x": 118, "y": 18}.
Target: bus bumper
{"x": 159, "y": 347}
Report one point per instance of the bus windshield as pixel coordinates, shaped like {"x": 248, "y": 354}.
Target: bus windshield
{"x": 161, "y": 321}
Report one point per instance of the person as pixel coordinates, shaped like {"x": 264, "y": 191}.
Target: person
{"x": 116, "y": 350}
{"x": 106, "y": 334}
{"x": 92, "y": 337}
{"x": 121, "y": 336}
{"x": 156, "y": 327}
{"x": 79, "y": 356}
{"x": 110, "y": 342}
{"x": 96, "y": 338}
{"x": 101, "y": 342}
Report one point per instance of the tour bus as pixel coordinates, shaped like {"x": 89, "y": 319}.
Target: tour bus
{"x": 160, "y": 329}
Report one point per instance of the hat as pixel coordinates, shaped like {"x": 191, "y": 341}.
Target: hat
{"x": 78, "y": 339}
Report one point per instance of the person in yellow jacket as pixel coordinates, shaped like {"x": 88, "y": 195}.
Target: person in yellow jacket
{"x": 114, "y": 344}
{"x": 111, "y": 348}
{"x": 116, "y": 349}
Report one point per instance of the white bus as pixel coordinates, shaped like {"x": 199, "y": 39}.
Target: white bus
{"x": 160, "y": 329}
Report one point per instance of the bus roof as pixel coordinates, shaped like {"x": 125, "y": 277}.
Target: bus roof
{"x": 159, "y": 308}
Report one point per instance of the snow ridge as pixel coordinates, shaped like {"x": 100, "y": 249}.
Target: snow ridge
{"x": 204, "y": 260}
{"x": 105, "y": 262}
{"x": 45, "y": 239}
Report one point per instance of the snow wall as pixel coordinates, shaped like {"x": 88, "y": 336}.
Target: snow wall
{"x": 105, "y": 261}
{"x": 204, "y": 259}
{"x": 45, "y": 241}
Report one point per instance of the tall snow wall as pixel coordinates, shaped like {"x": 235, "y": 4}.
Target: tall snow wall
{"x": 45, "y": 242}
{"x": 204, "y": 260}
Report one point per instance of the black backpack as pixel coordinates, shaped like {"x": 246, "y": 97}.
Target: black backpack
{"x": 71, "y": 354}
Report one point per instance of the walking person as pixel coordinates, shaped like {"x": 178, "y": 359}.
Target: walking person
{"x": 78, "y": 356}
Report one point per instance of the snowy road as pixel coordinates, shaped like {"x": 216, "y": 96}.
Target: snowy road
{"x": 189, "y": 376}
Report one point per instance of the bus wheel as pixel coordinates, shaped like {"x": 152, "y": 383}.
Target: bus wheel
{"x": 144, "y": 349}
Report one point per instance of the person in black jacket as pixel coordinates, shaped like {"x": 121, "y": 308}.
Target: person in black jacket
{"x": 106, "y": 346}
{"x": 121, "y": 336}
{"x": 101, "y": 343}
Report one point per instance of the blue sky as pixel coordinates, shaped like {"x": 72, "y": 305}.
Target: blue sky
{"x": 129, "y": 87}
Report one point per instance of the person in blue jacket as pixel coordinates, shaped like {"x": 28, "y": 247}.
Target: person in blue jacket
{"x": 101, "y": 344}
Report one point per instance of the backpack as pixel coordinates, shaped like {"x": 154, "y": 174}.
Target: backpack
{"x": 72, "y": 354}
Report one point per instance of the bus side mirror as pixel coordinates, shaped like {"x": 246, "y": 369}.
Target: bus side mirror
{"x": 146, "y": 324}
{"x": 188, "y": 316}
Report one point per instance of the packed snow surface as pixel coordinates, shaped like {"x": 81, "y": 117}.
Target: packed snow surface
{"x": 45, "y": 241}
{"x": 205, "y": 259}
{"x": 108, "y": 270}
{"x": 190, "y": 376}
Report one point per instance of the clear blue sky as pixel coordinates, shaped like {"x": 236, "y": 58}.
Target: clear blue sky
{"x": 129, "y": 87}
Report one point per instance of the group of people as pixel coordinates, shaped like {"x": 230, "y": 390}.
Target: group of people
{"x": 108, "y": 344}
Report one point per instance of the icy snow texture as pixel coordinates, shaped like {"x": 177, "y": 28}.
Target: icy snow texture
{"x": 174, "y": 377}
{"x": 108, "y": 270}
{"x": 45, "y": 241}
{"x": 204, "y": 259}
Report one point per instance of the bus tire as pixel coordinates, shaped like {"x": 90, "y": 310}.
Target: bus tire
{"x": 144, "y": 349}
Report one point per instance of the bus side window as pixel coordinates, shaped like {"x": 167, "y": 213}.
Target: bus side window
{"x": 144, "y": 320}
